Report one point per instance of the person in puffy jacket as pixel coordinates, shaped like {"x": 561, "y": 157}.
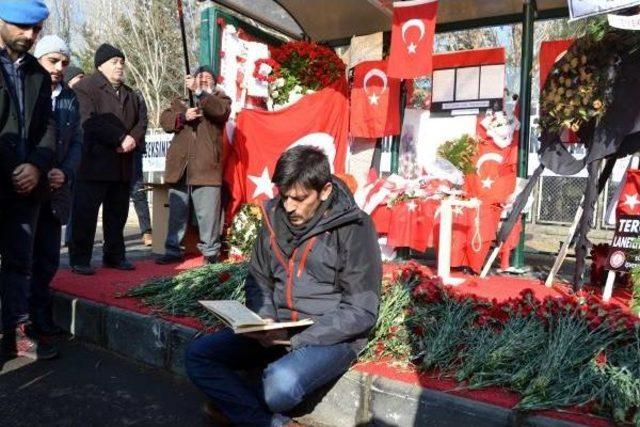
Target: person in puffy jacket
{"x": 316, "y": 257}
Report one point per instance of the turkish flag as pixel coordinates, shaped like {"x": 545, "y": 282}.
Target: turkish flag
{"x": 412, "y": 31}
{"x": 495, "y": 177}
{"x": 550, "y": 53}
{"x": 629, "y": 202}
{"x": 412, "y": 225}
{"x": 320, "y": 119}
{"x": 375, "y": 101}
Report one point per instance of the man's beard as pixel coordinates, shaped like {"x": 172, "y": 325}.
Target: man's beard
{"x": 20, "y": 46}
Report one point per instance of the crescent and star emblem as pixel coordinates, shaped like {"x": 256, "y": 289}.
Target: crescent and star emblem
{"x": 488, "y": 157}
{"x": 321, "y": 140}
{"x": 375, "y": 72}
{"x": 417, "y": 23}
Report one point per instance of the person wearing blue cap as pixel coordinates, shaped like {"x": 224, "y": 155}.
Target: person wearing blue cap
{"x": 27, "y": 144}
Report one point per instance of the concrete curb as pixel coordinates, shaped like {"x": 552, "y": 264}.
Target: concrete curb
{"x": 356, "y": 399}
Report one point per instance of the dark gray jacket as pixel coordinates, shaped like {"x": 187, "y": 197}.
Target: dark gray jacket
{"x": 332, "y": 277}
{"x": 68, "y": 149}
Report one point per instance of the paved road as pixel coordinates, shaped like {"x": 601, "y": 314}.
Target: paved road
{"x": 92, "y": 387}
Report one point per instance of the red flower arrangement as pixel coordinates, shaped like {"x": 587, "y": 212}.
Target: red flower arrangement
{"x": 298, "y": 68}
{"x": 314, "y": 65}
{"x": 429, "y": 289}
{"x": 266, "y": 70}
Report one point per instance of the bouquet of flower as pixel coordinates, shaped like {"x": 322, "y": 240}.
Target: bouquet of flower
{"x": 244, "y": 230}
{"x": 500, "y": 126}
{"x": 460, "y": 152}
{"x": 298, "y": 68}
{"x": 580, "y": 86}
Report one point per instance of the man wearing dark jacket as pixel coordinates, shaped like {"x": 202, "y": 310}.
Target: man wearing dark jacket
{"x": 27, "y": 143}
{"x": 316, "y": 257}
{"x": 54, "y": 55}
{"x": 194, "y": 165}
{"x": 113, "y": 128}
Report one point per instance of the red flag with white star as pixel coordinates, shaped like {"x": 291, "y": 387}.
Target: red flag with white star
{"x": 412, "y": 32}
{"x": 495, "y": 176}
{"x": 629, "y": 202}
{"x": 375, "y": 101}
{"x": 320, "y": 119}
{"x": 550, "y": 53}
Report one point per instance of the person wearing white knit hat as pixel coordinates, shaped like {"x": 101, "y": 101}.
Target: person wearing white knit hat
{"x": 54, "y": 55}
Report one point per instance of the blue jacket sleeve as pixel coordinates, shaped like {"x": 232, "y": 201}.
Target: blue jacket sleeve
{"x": 72, "y": 158}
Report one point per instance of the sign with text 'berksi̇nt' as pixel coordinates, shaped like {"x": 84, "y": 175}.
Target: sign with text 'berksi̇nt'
{"x": 624, "y": 254}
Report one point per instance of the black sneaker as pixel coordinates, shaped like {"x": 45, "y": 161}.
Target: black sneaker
{"x": 120, "y": 265}
{"x": 48, "y": 329}
{"x": 19, "y": 343}
{"x": 84, "y": 270}
{"x": 169, "y": 259}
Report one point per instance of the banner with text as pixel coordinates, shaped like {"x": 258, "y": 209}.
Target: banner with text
{"x": 623, "y": 253}
{"x": 584, "y": 8}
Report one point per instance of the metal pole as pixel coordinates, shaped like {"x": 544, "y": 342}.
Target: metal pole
{"x": 526, "y": 65}
{"x": 185, "y": 50}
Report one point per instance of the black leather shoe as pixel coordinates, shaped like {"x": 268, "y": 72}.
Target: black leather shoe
{"x": 85, "y": 270}
{"x": 121, "y": 265}
{"x": 213, "y": 259}
{"x": 169, "y": 259}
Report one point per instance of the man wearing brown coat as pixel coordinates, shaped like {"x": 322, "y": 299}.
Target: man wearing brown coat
{"x": 113, "y": 128}
{"x": 194, "y": 165}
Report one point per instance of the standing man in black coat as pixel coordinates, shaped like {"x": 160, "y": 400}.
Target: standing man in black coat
{"x": 27, "y": 144}
{"x": 113, "y": 128}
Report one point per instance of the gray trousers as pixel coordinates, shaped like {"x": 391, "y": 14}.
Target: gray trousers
{"x": 206, "y": 204}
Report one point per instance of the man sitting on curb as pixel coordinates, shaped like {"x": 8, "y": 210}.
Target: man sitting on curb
{"x": 316, "y": 257}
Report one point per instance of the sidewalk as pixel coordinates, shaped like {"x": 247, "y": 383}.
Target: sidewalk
{"x": 88, "y": 386}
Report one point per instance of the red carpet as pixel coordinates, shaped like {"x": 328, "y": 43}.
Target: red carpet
{"x": 501, "y": 288}
{"x": 106, "y": 286}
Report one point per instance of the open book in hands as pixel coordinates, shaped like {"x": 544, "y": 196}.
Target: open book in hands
{"x": 242, "y": 320}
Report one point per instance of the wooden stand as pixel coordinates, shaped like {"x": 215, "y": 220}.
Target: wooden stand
{"x": 160, "y": 221}
{"x": 444, "y": 246}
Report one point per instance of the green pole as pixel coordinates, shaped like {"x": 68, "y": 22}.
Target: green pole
{"x": 395, "y": 141}
{"x": 205, "y": 36}
{"x": 526, "y": 65}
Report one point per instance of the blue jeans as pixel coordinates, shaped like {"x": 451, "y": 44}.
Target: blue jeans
{"x": 212, "y": 360}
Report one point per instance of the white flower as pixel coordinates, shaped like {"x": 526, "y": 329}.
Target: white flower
{"x": 279, "y": 82}
{"x": 265, "y": 69}
{"x": 297, "y": 89}
{"x": 294, "y": 97}
{"x": 274, "y": 94}
{"x": 310, "y": 91}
